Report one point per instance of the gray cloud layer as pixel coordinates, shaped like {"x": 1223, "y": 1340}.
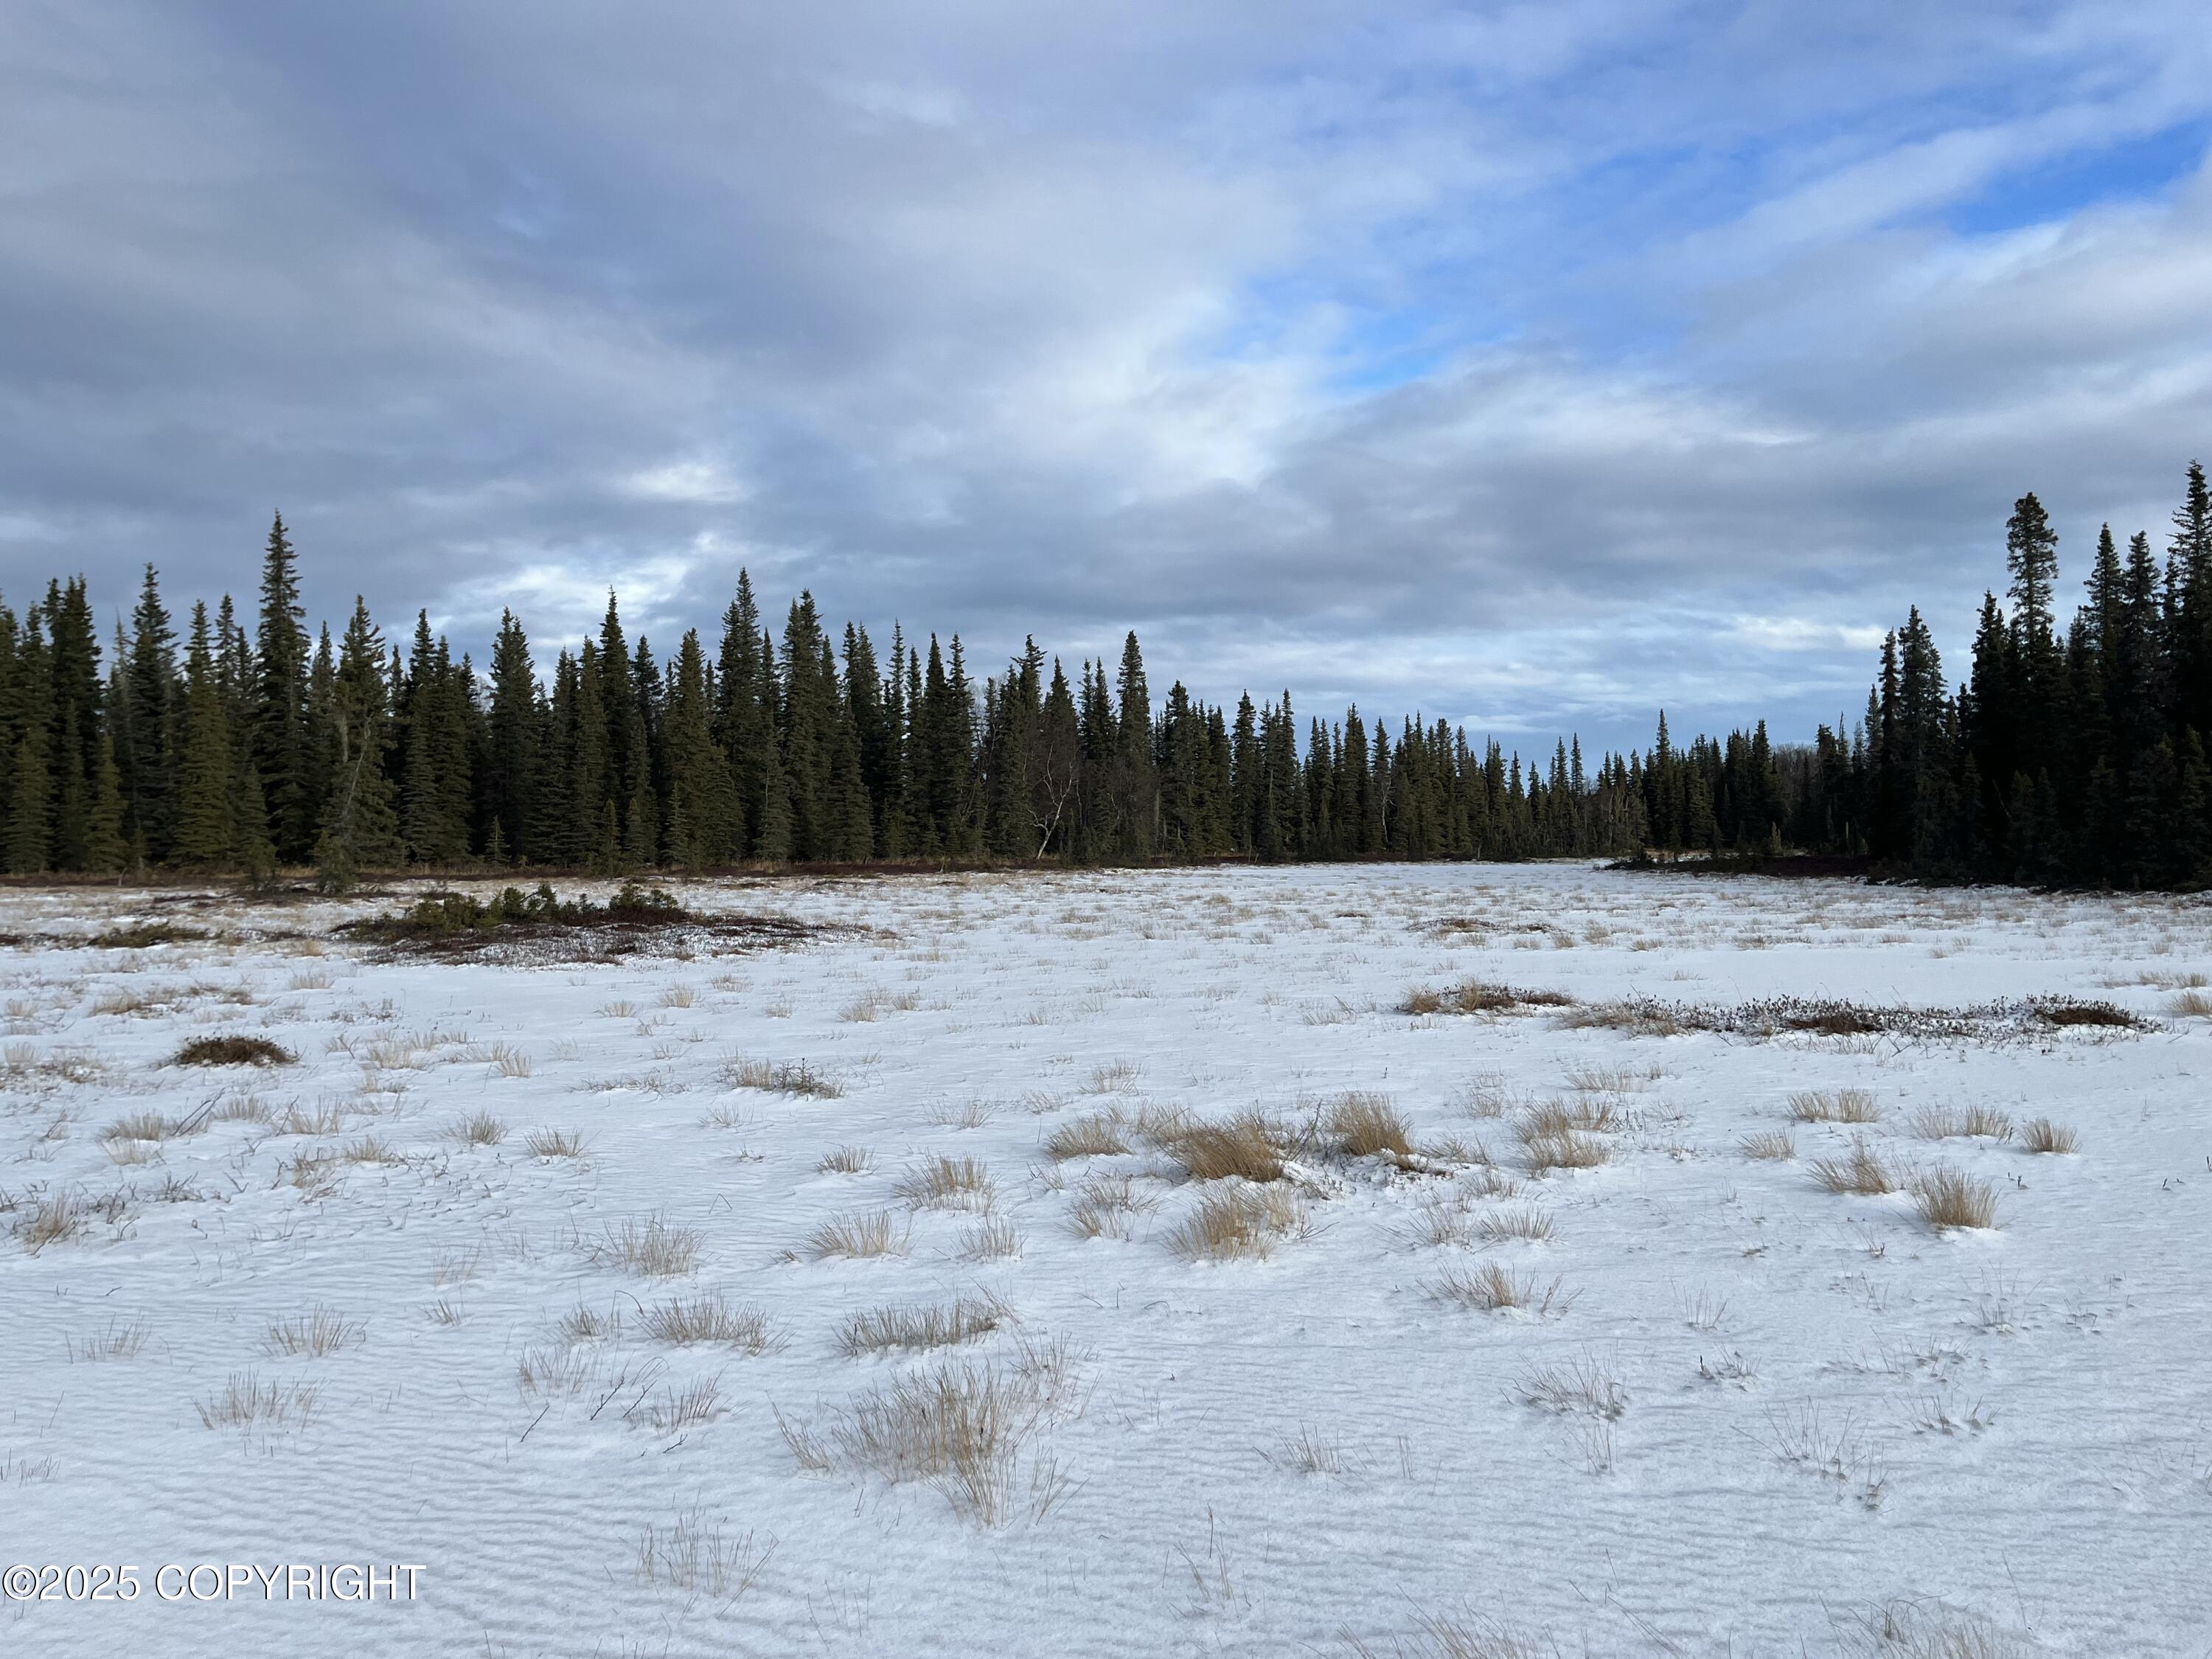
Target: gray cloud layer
{"x": 1530, "y": 366}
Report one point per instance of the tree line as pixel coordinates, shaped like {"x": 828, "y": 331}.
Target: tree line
{"x": 225, "y": 749}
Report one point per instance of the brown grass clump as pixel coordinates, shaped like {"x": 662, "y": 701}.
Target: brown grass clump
{"x": 553, "y": 1143}
{"x": 316, "y": 1335}
{"x": 779, "y": 1080}
{"x": 1521, "y": 1221}
{"x": 1580, "y": 1387}
{"x": 947, "y": 1183}
{"x": 911, "y": 1330}
{"x": 1366, "y": 1125}
{"x": 1550, "y": 1141}
{"x": 50, "y": 1222}
{"x": 2190, "y": 1004}
{"x": 2040, "y": 1134}
{"x": 479, "y": 1129}
{"x": 709, "y": 1320}
{"x": 1948, "y": 1198}
{"x": 1241, "y": 1146}
{"x": 233, "y": 1050}
{"x": 1098, "y": 1135}
{"x": 152, "y": 1126}
{"x": 1491, "y": 1289}
{"x": 1103, "y": 1206}
{"x": 959, "y": 1428}
{"x": 1239, "y": 1222}
{"x": 1944, "y": 1123}
{"x": 248, "y": 1402}
{"x": 1863, "y": 1172}
{"x": 2060, "y": 1011}
{"x": 1840, "y": 1106}
{"x": 1439, "y": 1637}
{"x": 693, "y": 1558}
{"x": 1479, "y": 997}
{"x": 994, "y": 1240}
{"x": 858, "y": 1237}
{"x": 1776, "y": 1145}
{"x": 847, "y": 1160}
{"x": 651, "y": 1248}
{"x": 673, "y": 1410}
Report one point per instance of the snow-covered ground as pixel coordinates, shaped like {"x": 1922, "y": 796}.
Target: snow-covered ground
{"x": 1755, "y": 1414}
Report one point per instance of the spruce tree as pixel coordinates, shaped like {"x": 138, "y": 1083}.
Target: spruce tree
{"x": 280, "y": 701}
{"x": 203, "y": 817}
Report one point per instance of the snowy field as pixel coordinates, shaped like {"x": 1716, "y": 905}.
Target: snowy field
{"x": 862, "y": 1297}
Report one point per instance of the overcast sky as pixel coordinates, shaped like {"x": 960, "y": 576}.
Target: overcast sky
{"x": 1530, "y": 366}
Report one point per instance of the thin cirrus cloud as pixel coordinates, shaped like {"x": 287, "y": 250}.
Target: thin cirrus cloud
{"x": 1532, "y": 367}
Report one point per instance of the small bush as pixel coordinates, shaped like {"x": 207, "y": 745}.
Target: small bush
{"x": 233, "y": 1050}
{"x": 2040, "y": 1134}
{"x": 1948, "y": 1198}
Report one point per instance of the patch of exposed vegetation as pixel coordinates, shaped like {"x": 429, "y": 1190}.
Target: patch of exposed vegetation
{"x": 138, "y": 935}
{"x": 1476, "y": 996}
{"x": 542, "y": 925}
{"x": 233, "y": 1049}
{"x": 2007, "y": 1020}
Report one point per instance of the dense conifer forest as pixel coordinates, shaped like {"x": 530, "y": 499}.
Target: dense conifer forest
{"x": 2067, "y": 756}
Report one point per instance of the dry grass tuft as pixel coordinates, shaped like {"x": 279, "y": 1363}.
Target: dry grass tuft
{"x": 1863, "y": 1172}
{"x": 651, "y": 1248}
{"x": 1948, "y": 1198}
{"x": 1773, "y": 1144}
{"x": 117, "y": 1341}
{"x": 2190, "y": 1004}
{"x": 779, "y": 1080}
{"x": 693, "y": 1558}
{"x": 911, "y": 1330}
{"x": 51, "y": 1221}
{"x": 478, "y": 1129}
{"x": 2040, "y": 1134}
{"x": 994, "y": 1240}
{"x": 858, "y": 1237}
{"x": 1366, "y": 1125}
{"x": 709, "y": 1319}
{"x": 317, "y": 1334}
{"x": 553, "y": 1143}
{"x": 1491, "y": 1289}
{"x": 947, "y": 1183}
{"x": 1103, "y": 1206}
{"x": 1114, "y": 1077}
{"x": 1240, "y": 1222}
{"x": 233, "y": 1050}
{"x": 246, "y": 1402}
{"x": 672, "y": 1411}
{"x": 1840, "y": 1106}
{"x": 1544, "y": 1150}
{"x": 1909, "y": 1629}
{"x": 1439, "y": 1637}
{"x": 1479, "y": 997}
{"x": 848, "y": 1160}
{"x": 1243, "y": 1146}
{"x": 152, "y": 1126}
{"x": 1098, "y": 1135}
{"x": 1580, "y": 1387}
{"x": 1944, "y": 1123}
{"x": 555, "y": 1373}
{"x": 960, "y": 1429}
{"x": 1520, "y": 1221}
